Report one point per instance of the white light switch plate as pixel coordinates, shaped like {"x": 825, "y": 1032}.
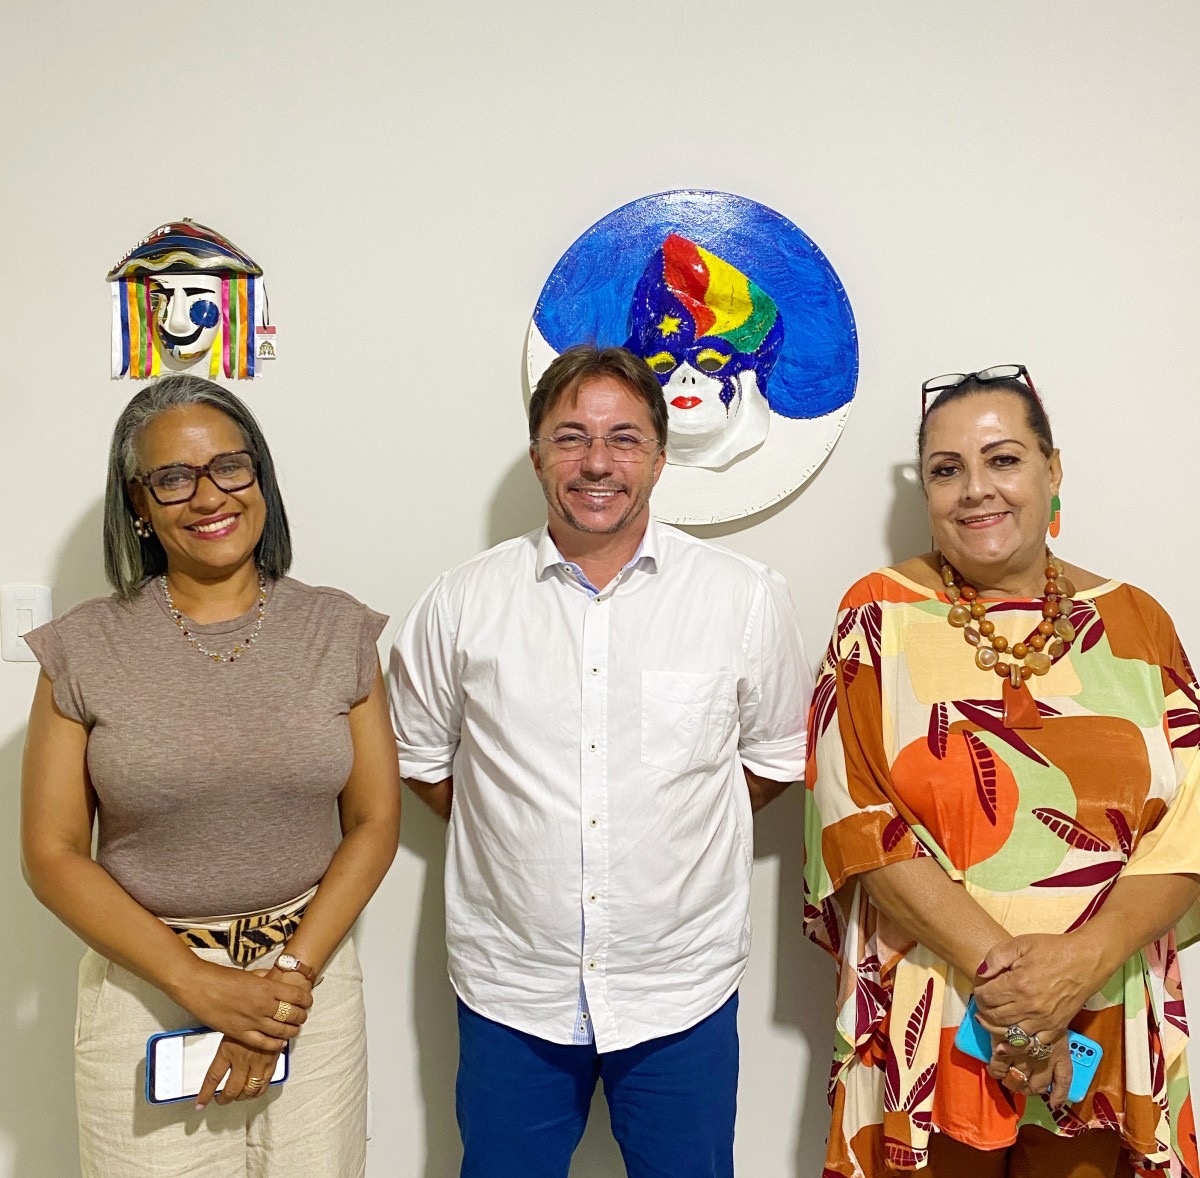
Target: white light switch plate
{"x": 22, "y": 608}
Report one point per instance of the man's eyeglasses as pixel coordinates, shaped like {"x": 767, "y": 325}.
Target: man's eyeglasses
{"x": 623, "y": 446}
{"x": 936, "y": 385}
{"x": 177, "y": 483}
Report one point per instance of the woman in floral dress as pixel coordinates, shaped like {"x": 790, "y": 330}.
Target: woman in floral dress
{"x": 1001, "y": 802}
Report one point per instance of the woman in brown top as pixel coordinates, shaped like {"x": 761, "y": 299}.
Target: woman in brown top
{"x": 208, "y": 717}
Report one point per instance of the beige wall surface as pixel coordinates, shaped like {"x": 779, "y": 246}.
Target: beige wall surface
{"x": 993, "y": 183}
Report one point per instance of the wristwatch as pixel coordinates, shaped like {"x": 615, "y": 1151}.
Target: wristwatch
{"x": 292, "y": 964}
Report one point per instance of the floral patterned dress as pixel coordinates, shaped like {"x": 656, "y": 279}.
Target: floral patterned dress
{"x": 909, "y": 757}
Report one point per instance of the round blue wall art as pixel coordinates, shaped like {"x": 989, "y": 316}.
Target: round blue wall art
{"x": 745, "y": 324}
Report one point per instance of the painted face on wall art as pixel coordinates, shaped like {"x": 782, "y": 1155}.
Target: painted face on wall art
{"x": 711, "y": 336}
{"x": 744, "y": 323}
{"x": 185, "y": 297}
{"x": 187, "y": 316}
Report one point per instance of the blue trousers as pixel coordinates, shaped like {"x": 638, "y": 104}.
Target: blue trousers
{"x": 523, "y": 1102}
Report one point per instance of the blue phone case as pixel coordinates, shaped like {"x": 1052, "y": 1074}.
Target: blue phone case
{"x": 287, "y": 1062}
{"x": 973, "y": 1040}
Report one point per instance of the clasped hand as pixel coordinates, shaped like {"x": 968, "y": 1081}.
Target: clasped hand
{"x": 1038, "y": 982}
{"x": 252, "y": 1042}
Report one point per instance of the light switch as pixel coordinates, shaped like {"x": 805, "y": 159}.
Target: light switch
{"x": 22, "y": 608}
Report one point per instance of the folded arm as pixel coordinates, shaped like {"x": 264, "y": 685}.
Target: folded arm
{"x": 437, "y": 795}
{"x": 763, "y": 789}
{"x": 1041, "y": 981}
{"x": 931, "y": 908}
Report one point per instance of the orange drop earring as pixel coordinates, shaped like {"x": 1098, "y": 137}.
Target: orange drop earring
{"x": 1055, "y": 516}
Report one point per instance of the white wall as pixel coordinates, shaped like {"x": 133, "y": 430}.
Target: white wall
{"x": 993, "y": 183}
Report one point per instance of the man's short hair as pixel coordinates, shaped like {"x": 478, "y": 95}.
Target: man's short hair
{"x": 584, "y": 362}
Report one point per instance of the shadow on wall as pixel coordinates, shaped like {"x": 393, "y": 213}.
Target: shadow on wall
{"x": 518, "y": 505}
{"x": 908, "y": 521}
{"x": 732, "y": 526}
{"x": 424, "y": 835}
{"x": 37, "y": 1007}
{"x": 804, "y": 975}
{"x": 79, "y": 573}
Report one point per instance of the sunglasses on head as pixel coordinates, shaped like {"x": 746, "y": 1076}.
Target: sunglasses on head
{"x": 936, "y": 385}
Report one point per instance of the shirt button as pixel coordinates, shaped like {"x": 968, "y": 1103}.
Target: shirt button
{"x": 584, "y": 1016}
{"x": 592, "y": 746}
{"x": 595, "y": 670}
{"x": 593, "y": 822}
{"x": 592, "y": 898}
{"x": 591, "y": 965}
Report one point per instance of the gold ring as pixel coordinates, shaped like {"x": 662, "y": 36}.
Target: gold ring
{"x": 254, "y": 1085}
{"x": 1039, "y": 1050}
{"x": 282, "y": 1012}
{"x": 1024, "y": 1079}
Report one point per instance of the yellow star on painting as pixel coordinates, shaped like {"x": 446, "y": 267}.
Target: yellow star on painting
{"x": 669, "y": 325}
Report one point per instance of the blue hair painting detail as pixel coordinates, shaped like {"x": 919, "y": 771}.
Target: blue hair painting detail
{"x": 744, "y": 322}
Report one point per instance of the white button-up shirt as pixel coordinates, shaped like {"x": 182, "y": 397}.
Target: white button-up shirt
{"x": 596, "y": 742}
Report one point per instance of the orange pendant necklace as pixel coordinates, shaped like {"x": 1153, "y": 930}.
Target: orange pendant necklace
{"x": 1044, "y": 646}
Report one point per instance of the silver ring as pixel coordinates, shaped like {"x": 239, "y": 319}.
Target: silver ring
{"x": 1017, "y": 1038}
{"x": 1039, "y": 1050}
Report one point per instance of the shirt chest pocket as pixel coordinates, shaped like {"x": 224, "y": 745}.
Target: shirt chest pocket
{"x": 687, "y": 718}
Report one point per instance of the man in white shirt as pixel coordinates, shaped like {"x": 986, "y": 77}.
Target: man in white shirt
{"x": 596, "y": 708}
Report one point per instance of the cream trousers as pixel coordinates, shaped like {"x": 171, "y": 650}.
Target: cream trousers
{"x": 311, "y": 1126}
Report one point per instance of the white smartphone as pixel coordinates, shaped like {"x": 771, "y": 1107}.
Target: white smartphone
{"x": 178, "y": 1061}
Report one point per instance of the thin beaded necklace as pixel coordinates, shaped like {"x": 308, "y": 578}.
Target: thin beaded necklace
{"x": 229, "y": 656}
{"x": 1040, "y": 650}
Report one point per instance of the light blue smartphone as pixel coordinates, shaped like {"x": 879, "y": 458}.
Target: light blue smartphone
{"x": 973, "y": 1040}
{"x": 177, "y": 1062}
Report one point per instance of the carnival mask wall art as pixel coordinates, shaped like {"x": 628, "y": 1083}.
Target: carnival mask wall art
{"x": 745, "y": 324}
{"x": 185, "y": 297}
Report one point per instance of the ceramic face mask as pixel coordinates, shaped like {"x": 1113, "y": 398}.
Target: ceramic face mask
{"x": 711, "y": 337}
{"x": 185, "y": 296}
{"x": 187, "y": 316}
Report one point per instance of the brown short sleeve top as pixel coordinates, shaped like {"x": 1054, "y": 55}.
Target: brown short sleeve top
{"x": 215, "y": 782}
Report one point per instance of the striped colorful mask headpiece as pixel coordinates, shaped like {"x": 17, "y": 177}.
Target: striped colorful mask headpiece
{"x": 182, "y": 296}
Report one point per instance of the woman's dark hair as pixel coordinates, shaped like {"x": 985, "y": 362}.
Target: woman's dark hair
{"x": 1035, "y": 413}
{"x": 584, "y": 362}
{"x": 130, "y": 559}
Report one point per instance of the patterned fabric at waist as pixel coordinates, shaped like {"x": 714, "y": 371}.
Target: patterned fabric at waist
{"x": 247, "y": 936}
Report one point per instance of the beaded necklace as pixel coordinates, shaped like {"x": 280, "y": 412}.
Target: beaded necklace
{"x": 1043, "y": 647}
{"x": 229, "y": 656}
